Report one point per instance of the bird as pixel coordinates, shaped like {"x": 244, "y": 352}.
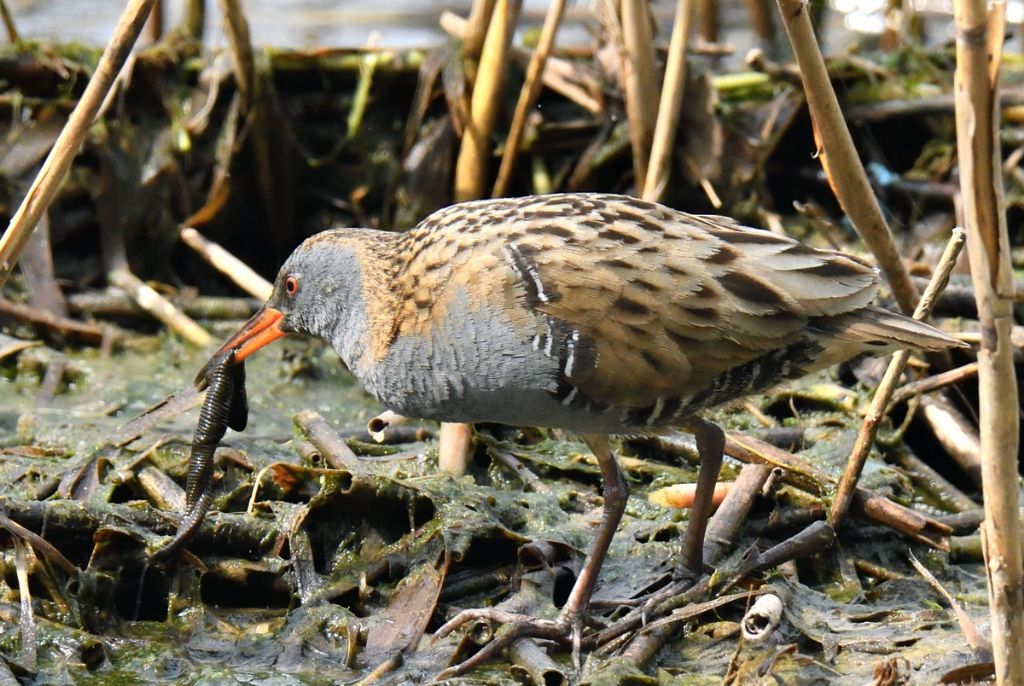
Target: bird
{"x": 596, "y": 313}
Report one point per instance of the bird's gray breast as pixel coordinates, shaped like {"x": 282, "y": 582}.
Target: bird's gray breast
{"x": 474, "y": 365}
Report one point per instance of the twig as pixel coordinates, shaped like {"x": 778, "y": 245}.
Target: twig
{"x": 29, "y": 648}
{"x": 915, "y": 107}
{"x": 39, "y": 543}
{"x": 839, "y": 157}
{"x": 229, "y": 265}
{"x": 37, "y": 270}
{"x": 933, "y": 383}
{"x": 116, "y": 304}
{"x": 955, "y": 433}
{"x": 725, "y": 523}
{"x": 160, "y": 307}
{"x": 47, "y": 182}
{"x": 933, "y": 482}
{"x": 967, "y": 626}
{"x": 879, "y": 404}
{"x": 89, "y": 334}
{"x": 804, "y": 475}
{"x": 528, "y": 95}
{"x": 672, "y": 91}
{"x": 531, "y": 481}
{"x": 641, "y": 80}
{"x": 978, "y": 57}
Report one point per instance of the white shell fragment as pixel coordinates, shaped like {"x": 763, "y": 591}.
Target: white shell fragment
{"x": 762, "y": 618}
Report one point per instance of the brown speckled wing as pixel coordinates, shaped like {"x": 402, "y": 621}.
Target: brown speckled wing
{"x": 652, "y": 304}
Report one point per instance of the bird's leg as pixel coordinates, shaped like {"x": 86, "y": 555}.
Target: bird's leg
{"x": 710, "y": 448}
{"x": 570, "y": 621}
{"x": 616, "y": 493}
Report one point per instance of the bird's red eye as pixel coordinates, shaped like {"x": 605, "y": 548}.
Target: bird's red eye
{"x": 291, "y": 285}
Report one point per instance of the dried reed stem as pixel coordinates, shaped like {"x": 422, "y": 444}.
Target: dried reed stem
{"x": 891, "y": 378}
{"x": 978, "y": 55}
{"x": 476, "y": 29}
{"x": 229, "y": 265}
{"x": 839, "y": 157}
{"x": 155, "y": 25}
{"x": 475, "y": 151}
{"x": 47, "y": 182}
{"x": 556, "y": 74}
{"x": 12, "y": 30}
{"x": 194, "y": 19}
{"x": 641, "y": 78}
{"x": 709, "y": 20}
{"x": 159, "y": 306}
{"x": 671, "y": 105}
{"x": 528, "y": 95}
{"x": 242, "y": 62}
{"x": 761, "y": 18}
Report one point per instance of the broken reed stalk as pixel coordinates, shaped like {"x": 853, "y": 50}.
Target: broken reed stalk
{"x": 322, "y": 435}
{"x": 978, "y": 55}
{"x": 839, "y": 158}
{"x": 671, "y": 105}
{"x": 47, "y": 182}
{"x": 229, "y": 265}
{"x": 528, "y": 95}
{"x": 640, "y": 77}
{"x": 159, "y": 306}
{"x": 475, "y": 151}
{"x": 12, "y": 29}
{"x": 880, "y": 403}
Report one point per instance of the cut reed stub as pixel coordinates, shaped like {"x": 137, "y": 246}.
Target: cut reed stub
{"x": 379, "y": 425}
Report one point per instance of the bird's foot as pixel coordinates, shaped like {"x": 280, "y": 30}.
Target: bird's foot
{"x": 566, "y": 629}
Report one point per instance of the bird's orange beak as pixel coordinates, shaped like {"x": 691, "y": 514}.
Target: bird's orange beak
{"x": 262, "y": 329}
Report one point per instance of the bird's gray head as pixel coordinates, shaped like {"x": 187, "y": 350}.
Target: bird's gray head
{"x": 319, "y": 286}
{"x": 318, "y": 292}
